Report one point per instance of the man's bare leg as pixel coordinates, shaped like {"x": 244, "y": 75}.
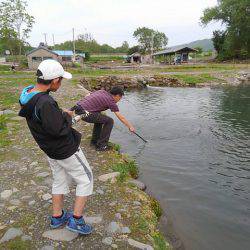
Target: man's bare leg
{"x": 57, "y": 204}
{"x": 79, "y": 205}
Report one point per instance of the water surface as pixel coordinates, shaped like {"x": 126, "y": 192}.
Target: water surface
{"x": 197, "y": 160}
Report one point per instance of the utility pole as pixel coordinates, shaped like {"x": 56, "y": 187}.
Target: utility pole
{"x": 45, "y": 38}
{"x": 74, "y": 45}
{"x": 53, "y": 37}
{"x": 152, "y": 47}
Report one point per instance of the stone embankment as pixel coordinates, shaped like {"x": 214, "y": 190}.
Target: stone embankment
{"x": 130, "y": 82}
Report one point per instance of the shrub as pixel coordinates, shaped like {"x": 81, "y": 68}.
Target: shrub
{"x": 156, "y": 207}
{"x": 126, "y": 169}
{"x": 23, "y": 63}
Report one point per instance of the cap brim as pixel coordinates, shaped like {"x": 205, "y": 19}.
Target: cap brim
{"x": 67, "y": 75}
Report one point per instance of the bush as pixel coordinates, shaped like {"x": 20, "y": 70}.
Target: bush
{"x": 87, "y": 56}
{"x": 126, "y": 169}
{"x": 4, "y": 67}
{"x": 156, "y": 207}
{"x": 115, "y": 146}
{"x": 23, "y": 63}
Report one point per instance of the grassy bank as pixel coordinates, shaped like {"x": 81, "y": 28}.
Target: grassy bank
{"x": 194, "y": 80}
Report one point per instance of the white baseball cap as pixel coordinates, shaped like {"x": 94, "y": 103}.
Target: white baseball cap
{"x": 50, "y": 69}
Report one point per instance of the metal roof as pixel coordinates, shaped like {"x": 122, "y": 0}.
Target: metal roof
{"x": 135, "y": 54}
{"x": 63, "y": 52}
{"x": 174, "y": 49}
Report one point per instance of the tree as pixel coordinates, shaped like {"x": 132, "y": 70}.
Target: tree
{"x": 86, "y": 43}
{"x": 86, "y": 37}
{"x": 218, "y": 40}
{"x": 235, "y": 15}
{"x": 150, "y": 40}
{"x": 134, "y": 49}
{"x": 15, "y": 23}
{"x": 124, "y": 48}
{"x": 199, "y": 50}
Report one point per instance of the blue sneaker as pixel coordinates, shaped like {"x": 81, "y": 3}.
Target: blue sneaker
{"x": 57, "y": 222}
{"x": 79, "y": 226}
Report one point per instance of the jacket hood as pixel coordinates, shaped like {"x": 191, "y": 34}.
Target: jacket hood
{"x": 28, "y": 101}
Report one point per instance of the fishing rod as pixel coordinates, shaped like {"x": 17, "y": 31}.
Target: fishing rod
{"x": 79, "y": 117}
{"x": 140, "y": 137}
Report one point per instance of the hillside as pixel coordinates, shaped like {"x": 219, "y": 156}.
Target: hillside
{"x": 205, "y": 44}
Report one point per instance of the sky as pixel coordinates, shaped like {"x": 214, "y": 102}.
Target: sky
{"x": 114, "y": 21}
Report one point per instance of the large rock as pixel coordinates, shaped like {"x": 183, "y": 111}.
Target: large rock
{"x": 113, "y": 228}
{"x": 139, "y": 245}
{"x": 15, "y": 202}
{"x": 26, "y": 238}
{"x": 46, "y": 197}
{"x": 17, "y": 118}
{"x": 107, "y": 240}
{"x": 125, "y": 230}
{"x": 139, "y": 184}
{"x": 6, "y": 194}
{"x": 34, "y": 164}
{"x": 43, "y": 174}
{"x": 60, "y": 235}
{"x": 93, "y": 219}
{"x": 110, "y": 176}
{"x": 7, "y": 112}
{"x": 47, "y": 248}
{"x": 11, "y": 233}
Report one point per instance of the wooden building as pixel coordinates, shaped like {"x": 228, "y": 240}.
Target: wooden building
{"x": 139, "y": 58}
{"x": 65, "y": 57}
{"x": 36, "y": 56}
{"x": 174, "y": 55}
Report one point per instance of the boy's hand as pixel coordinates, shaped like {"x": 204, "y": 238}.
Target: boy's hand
{"x": 69, "y": 112}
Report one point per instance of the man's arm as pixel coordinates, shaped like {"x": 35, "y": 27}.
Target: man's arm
{"x": 125, "y": 121}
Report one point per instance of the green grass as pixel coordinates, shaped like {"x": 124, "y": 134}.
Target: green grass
{"x": 9, "y": 82}
{"x": 140, "y": 225}
{"x": 105, "y": 58}
{"x": 200, "y": 67}
{"x": 159, "y": 241}
{"x": 4, "y": 67}
{"x": 115, "y": 146}
{"x": 39, "y": 179}
{"x": 156, "y": 207}
{"x": 26, "y": 221}
{"x": 17, "y": 73}
{"x": 103, "y": 72}
{"x": 16, "y": 244}
{"x": 126, "y": 169}
{"x": 3, "y": 131}
{"x": 91, "y": 72}
{"x": 8, "y": 99}
{"x": 196, "y": 79}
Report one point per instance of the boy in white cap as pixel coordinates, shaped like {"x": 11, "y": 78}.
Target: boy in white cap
{"x": 51, "y": 129}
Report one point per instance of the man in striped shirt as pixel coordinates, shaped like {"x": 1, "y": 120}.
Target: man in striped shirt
{"x": 97, "y": 102}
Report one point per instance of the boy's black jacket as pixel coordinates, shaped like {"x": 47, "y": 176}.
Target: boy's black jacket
{"x": 50, "y": 127}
